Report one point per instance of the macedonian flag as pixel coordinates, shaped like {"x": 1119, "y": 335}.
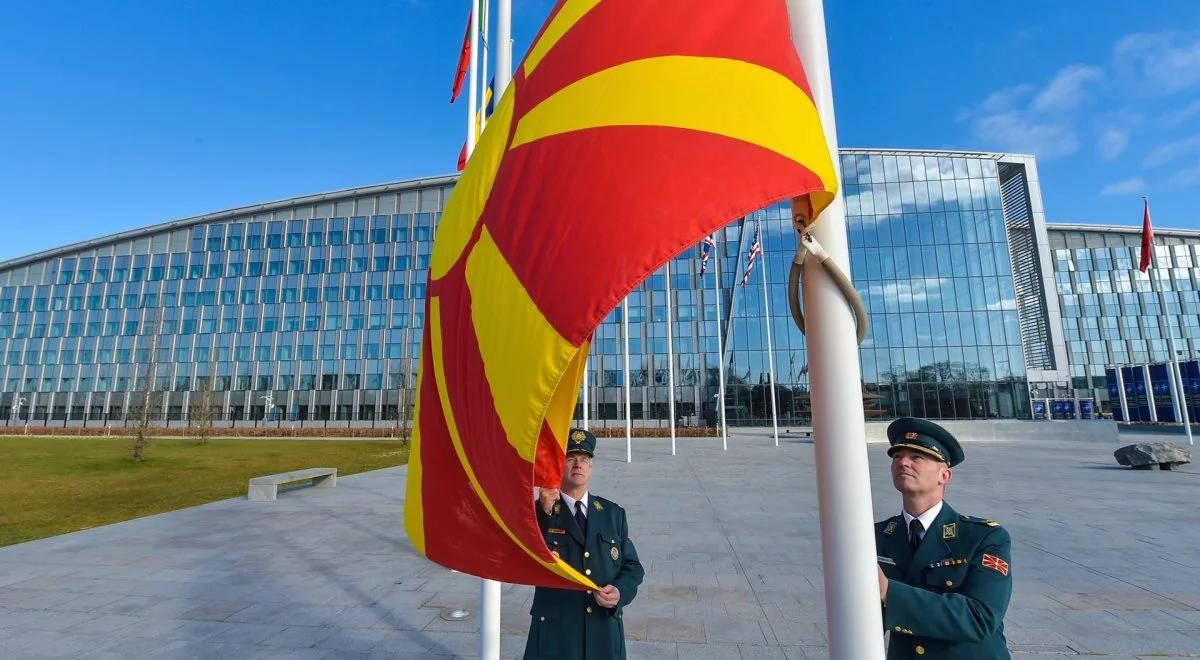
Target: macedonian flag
{"x": 631, "y": 130}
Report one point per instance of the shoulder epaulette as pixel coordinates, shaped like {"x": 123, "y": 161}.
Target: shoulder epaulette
{"x": 980, "y": 521}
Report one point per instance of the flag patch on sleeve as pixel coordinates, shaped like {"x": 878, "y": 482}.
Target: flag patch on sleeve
{"x": 996, "y": 564}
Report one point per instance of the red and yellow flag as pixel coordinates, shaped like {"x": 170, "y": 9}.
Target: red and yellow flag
{"x": 647, "y": 123}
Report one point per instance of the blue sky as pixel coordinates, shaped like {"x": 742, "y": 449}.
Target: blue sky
{"x": 119, "y": 114}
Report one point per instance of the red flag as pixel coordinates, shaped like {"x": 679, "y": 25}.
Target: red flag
{"x": 464, "y": 63}
{"x": 619, "y": 113}
{"x": 1147, "y": 238}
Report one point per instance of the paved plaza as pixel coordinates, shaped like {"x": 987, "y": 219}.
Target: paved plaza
{"x": 1106, "y": 562}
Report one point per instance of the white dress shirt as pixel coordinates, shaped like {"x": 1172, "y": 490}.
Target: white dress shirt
{"x": 571, "y": 503}
{"x": 926, "y": 518}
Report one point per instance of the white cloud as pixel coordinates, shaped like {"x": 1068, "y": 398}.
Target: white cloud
{"x": 1023, "y": 133}
{"x": 1132, "y": 186}
{"x": 1179, "y": 116}
{"x": 1186, "y": 178}
{"x": 1165, "y": 62}
{"x": 1067, "y": 89}
{"x": 1112, "y": 143}
{"x": 1167, "y": 152}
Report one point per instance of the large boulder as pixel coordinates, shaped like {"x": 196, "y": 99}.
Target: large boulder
{"x": 1150, "y": 455}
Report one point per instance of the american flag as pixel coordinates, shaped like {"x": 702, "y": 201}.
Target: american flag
{"x": 755, "y": 250}
{"x": 706, "y": 248}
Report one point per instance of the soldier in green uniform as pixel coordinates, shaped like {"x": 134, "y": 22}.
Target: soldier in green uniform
{"x": 592, "y": 535}
{"x": 943, "y": 577}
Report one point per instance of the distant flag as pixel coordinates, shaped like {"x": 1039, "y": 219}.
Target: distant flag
{"x": 621, "y": 110}
{"x": 706, "y": 248}
{"x": 488, "y": 104}
{"x": 464, "y": 64}
{"x": 1147, "y": 237}
{"x": 755, "y": 250}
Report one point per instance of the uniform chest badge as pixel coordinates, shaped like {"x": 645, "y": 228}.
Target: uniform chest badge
{"x": 891, "y": 527}
{"x": 614, "y": 553}
{"x": 950, "y": 531}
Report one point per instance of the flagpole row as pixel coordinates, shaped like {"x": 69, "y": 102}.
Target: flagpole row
{"x": 1149, "y": 260}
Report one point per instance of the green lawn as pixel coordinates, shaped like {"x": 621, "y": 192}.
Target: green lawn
{"x": 56, "y": 485}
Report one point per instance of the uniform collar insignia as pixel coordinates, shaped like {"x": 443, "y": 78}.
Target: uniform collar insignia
{"x": 950, "y": 531}
{"x": 596, "y": 503}
{"x": 891, "y": 527}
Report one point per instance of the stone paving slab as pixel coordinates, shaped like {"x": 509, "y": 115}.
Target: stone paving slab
{"x": 1105, "y": 562}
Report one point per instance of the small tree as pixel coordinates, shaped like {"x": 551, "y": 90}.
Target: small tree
{"x": 203, "y": 413}
{"x": 149, "y": 383}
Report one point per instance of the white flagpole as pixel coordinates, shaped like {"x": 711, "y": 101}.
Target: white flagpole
{"x": 628, "y": 397}
{"x": 473, "y": 79}
{"x": 485, "y": 40}
{"x": 762, "y": 266}
{"x": 716, "y": 256}
{"x": 489, "y": 590}
{"x": 670, "y": 361}
{"x": 852, "y": 605}
{"x": 503, "y": 74}
{"x": 1121, "y": 395}
{"x": 503, "y": 46}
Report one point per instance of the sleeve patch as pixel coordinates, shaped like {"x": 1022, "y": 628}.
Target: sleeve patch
{"x": 996, "y": 564}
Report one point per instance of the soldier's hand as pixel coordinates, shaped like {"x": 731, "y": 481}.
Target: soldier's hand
{"x": 546, "y": 498}
{"x": 883, "y": 585}
{"x": 609, "y": 596}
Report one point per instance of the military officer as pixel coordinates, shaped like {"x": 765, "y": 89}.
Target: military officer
{"x": 944, "y": 578}
{"x": 592, "y": 535}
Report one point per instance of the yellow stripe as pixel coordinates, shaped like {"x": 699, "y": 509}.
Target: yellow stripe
{"x": 726, "y": 97}
{"x": 470, "y": 194}
{"x": 564, "y": 20}
{"x": 559, "y": 567}
{"x": 561, "y": 410}
{"x": 414, "y": 512}
{"x": 523, "y": 354}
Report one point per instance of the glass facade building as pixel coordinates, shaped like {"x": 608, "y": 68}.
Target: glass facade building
{"x": 310, "y": 310}
{"x": 1110, "y": 314}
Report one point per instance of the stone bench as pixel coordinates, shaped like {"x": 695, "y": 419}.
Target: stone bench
{"x": 264, "y": 489}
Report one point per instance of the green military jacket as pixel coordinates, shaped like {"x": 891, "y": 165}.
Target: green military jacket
{"x": 570, "y": 624}
{"x": 948, "y": 601}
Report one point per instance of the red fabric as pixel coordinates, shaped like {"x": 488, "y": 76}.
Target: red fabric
{"x": 554, "y": 204}
{"x": 464, "y": 63}
{"x": 633, "y": 184}
{"x": 1147, "y": 239}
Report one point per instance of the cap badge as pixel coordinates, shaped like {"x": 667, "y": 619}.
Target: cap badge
{"x": 911, "y": 435}
{"x": 578, "y": 437}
